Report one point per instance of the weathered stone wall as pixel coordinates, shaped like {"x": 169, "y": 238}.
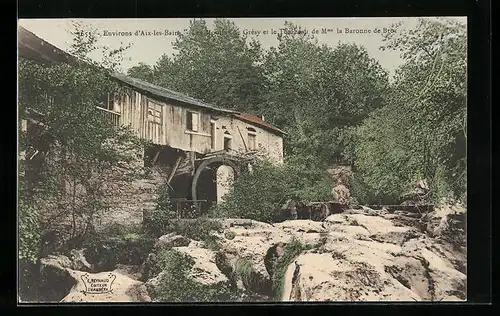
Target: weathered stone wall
{"x": 270, "y": 144}
{"x": 130, "y": 191}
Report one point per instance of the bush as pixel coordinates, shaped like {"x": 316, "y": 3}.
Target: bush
{"x": 259, "y": 194}
{"x": 177, "y": 284}
{"x": 309, "y": 180}
{"x": 292, "y": 250}
{"x": 118, "y": 244}
{"x": 363, "y": 193}
{"x": 156, "y": 221}
{"x": 200, "y": 229}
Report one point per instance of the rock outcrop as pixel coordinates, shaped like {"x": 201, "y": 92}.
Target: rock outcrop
{"x": 359, "y": 255}
{"x": 59, "y": 281}
{"x": 112, "y": 287}
{"x": 367, "y": 258}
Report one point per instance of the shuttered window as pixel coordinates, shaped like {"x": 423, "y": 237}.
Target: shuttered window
{"x": 252, "y": 141}
{"x": 252, "y": 138}
{"x": 192, "y": 121}
{"x": 154, "y": 112}
{"x": 108, "y": 101}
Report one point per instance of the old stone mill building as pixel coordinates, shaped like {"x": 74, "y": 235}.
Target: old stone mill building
{"x": 193, "y": 136}
{"x": 199, "y": 147}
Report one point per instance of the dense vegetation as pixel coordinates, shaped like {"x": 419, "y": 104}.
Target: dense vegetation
{"x": 177, "y": 285}
{"x": 335, "y": 104}
{"x": 62, "y": 175}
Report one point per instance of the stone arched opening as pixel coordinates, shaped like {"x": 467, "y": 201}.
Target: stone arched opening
{"x": 224, "y": 178}
{"x": 209, "y": 168}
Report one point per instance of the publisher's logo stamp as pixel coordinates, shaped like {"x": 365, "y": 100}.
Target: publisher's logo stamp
{"x": 98, "y": 285}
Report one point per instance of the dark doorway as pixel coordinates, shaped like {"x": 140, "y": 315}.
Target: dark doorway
{"x": 207, "y": 189}
{"x": 163, "y": 156}
{"x": 227, "y": 143}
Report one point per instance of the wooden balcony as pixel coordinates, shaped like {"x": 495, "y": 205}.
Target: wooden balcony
{"x": 110, "y": 116}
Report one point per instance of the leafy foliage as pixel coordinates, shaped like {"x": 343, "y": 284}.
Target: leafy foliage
{"x": 178, "y": 285}
{"x": 201, "y": 229}
{"x": 421, "y": 132}
{"x": 71, "y": 146}
{"x": 163, "y": 220}
{"x": 29, "y": 227}
{"x": 412, "y": 128}
{"x": 259, "y": 194}
{"x": 215, "y": 65}
{"x": 292, "y": 250}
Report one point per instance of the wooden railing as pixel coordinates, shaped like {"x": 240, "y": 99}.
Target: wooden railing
{"x": 111, "y": 116}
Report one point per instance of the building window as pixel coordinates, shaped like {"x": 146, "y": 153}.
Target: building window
{"x": 213, "y": 133}
{"x": 227, "y": 141}
{"x": 252, "y": 138}
{"x": 107, "y": 101}
{"x": 154, "y": 112}
{"x": 192, "y": 121}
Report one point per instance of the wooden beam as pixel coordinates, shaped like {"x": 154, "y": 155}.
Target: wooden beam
{"x": 156, "y": 157}
{"x": 174, "y": 169}
{"x": 192, "y": 162}
{"x": 242, "y": 138}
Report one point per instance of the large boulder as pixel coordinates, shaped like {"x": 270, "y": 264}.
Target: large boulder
{"x": 105, "y": 287}
{"x": 325, "y": 277}
{"x": 368, "y": 258}
{"x": 60, "y": 282}
{"x": 359, "y": 255}
{"x": 341, "y": 194}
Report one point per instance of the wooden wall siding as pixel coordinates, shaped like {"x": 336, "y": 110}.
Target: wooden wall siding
{"x": 171, "y": 130}
{"x": 111, "y": 116}
{"x": 134, "y": 108}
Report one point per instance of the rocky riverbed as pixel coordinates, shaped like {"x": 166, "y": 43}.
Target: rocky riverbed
{"x": 357, "y": 255}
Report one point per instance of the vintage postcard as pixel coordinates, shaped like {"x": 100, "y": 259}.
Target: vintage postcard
{"x": 242, "y": 160}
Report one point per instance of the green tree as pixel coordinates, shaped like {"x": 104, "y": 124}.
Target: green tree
{"x": 72, "y": 146}
{"x": 142, "y": 71}
{"x": 422, "y": 132}
{"x": 316, "y": 92}
{"x": 259, "y": 194}
{"x": 217, "y": 65}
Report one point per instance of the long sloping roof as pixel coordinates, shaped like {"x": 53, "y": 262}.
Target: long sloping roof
{"x": 257, "y": 120}
{"x": 166, "y": 93}
{"x": 33, "y": 47}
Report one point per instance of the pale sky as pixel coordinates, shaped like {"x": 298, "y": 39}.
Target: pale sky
{"x": 149, "y": 48}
